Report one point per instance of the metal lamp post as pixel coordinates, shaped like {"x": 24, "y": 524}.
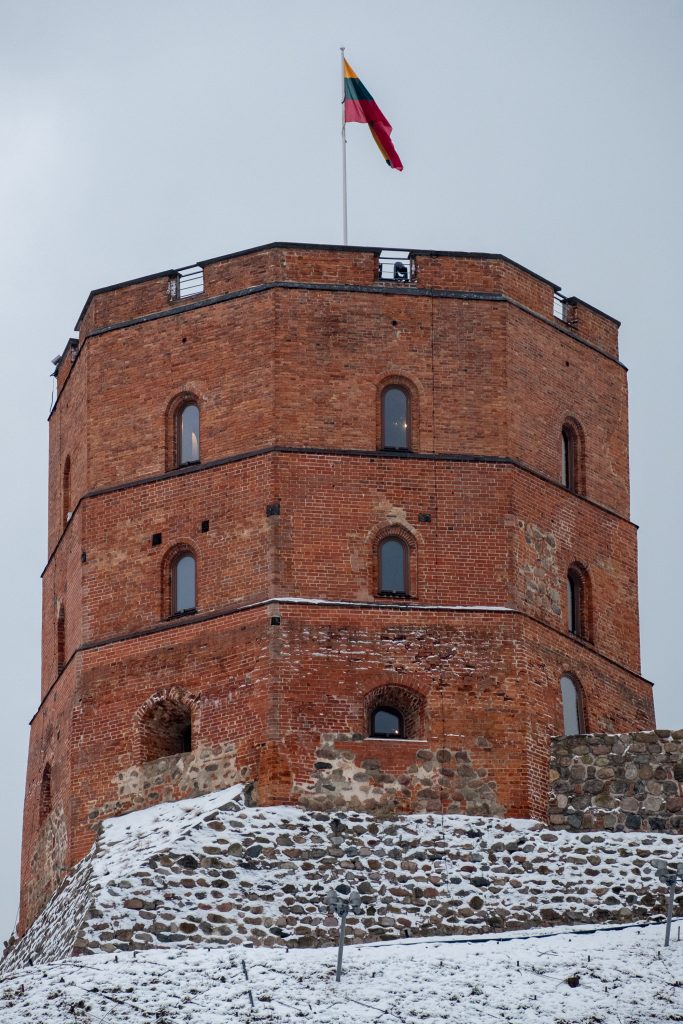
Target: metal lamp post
{"x": 340, "y": 905}
{"x": 669, "y": 874}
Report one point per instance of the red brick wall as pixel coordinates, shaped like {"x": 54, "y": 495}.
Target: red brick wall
{"x": 284, "y": 705}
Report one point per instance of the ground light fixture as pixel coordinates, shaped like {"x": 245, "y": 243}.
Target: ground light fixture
{"x": 669, "y": 875}
{"x": 340, "y": 904}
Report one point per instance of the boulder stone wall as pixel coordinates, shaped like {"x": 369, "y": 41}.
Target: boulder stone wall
{"x": 622, "y": 782}
{"x": 216, "y": 871}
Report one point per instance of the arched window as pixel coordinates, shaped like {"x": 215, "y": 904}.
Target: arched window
{"x": 572, "y": 468}
{"x": 45, "y": 798}
{"x": 579, "y": 613}
{"x": 61, "y": 638}
{"x": 573, "y": 604}
{"x": 394, "y": 712}
{"x": 568, "y": 459}
{"x": 166, "y": 730}
{"x": 183, "y": 583}
{"x": 387, "y": 723}
{"x": 572, "y": 707}
{"x": 395, "y": 418}
{"x": 187, "y": 434}
{"x": 66, "y": 491}
{"x": 393, "y": 569}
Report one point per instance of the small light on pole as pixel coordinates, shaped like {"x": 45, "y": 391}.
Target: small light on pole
{"x": 340, "y": 905}
{"x": 669, "y": 875}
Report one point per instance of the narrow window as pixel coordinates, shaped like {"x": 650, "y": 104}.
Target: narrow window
{"x": 574, "y": 604}
{"x": 66, "y": 492}
{"x": 572, "y": 469}
{"x": 393, "y": 567}
{"x": 572, "y": 710}
{"x": 395, "y": 418}
{"x": 45, "y": 804}
{"x": 183, "y": 584}
{"x": 568, "y": 459}
{"x": 387, "y": 723}
{"x": 61, "y": 638}
{"x": 187, "y": 427}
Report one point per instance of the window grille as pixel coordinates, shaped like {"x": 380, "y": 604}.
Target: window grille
{"x": 560, "y": 307}
{"x": 185, "y": 282}
{"x": 396, "y": 265}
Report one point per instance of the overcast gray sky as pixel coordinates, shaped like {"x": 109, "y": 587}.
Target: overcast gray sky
{"x": 137, "y": 136}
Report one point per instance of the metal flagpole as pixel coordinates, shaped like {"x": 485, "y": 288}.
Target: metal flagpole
{"x": 343, "y": 136}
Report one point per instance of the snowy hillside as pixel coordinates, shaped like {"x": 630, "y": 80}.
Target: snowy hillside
{"x": 563, "y": 977}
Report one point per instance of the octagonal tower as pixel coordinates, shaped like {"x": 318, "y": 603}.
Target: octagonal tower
{"x": 353, "y": 533}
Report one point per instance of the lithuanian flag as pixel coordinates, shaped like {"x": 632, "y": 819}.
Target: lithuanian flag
{"x": 360, "y": 106}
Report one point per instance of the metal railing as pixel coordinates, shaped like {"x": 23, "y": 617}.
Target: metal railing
{"x": 187, "y": 281}
{"x": 396, "y": 265}
{"x": 560, "y": 306}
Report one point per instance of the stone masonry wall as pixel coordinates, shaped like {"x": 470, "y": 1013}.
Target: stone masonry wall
{"x": 627, "y": 782}
{"x": 215, "y": 870}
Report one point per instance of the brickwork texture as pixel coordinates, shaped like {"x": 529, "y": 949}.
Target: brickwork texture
{"x": 273, "y": 676}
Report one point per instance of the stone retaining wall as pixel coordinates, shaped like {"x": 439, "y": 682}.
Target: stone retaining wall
{"x": 213, "y": 870}
{"x": 626, "y": 782}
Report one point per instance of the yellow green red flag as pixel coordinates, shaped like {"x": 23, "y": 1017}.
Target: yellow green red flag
{"x": 360, "y": 106}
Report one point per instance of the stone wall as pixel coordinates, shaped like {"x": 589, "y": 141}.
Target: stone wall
{"x": 356, "y": 774}
{"x": 214, "y": 870}
{"x": 626, "y": 782}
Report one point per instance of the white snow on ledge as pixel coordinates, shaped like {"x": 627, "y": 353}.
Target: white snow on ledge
{"x": 383, "y": 602}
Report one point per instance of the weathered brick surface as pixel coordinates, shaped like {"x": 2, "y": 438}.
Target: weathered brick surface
{"x": 288, "y": 378}
{"x": 630, "y": 782}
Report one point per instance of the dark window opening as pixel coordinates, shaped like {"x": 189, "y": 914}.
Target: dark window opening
{"x": 395, "y": 712}
{"x": 186, "y": 738}
{"x": 393, "y": 567}
{"x": 574, "y": 604}
{"x": 187, "y": 429}
{"x": 572, "y": 469}
{"x": 387, "y": 723}
{"x": 66, "y": 492}
{"x": 183, "y": 584}
{"x": 395, "y": 419}
{"x": 568, "y": 459}
{"x": 166, "y": 731}
{"x": 61, "y": 639}
{"x": 572, "y": 709}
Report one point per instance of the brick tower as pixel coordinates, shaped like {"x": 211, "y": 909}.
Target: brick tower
{"x": 350, "y": 527}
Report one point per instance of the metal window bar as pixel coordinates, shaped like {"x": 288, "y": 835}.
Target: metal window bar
{"x": 559, "y": 306}
{"x": 187, "y": 281}
{"x": 396, "y": 265}
{"x": 190, "y": 281}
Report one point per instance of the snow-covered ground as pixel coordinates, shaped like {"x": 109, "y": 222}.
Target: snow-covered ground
{"x": 570, "y": 976}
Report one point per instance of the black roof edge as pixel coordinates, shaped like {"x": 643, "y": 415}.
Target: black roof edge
{"x": 320, "y": 246}
{"x": 57, "y": 362}
{"x": 327, "y": 246}
{"x": 119, "y": 284}
{"x": 572, "y": 300}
